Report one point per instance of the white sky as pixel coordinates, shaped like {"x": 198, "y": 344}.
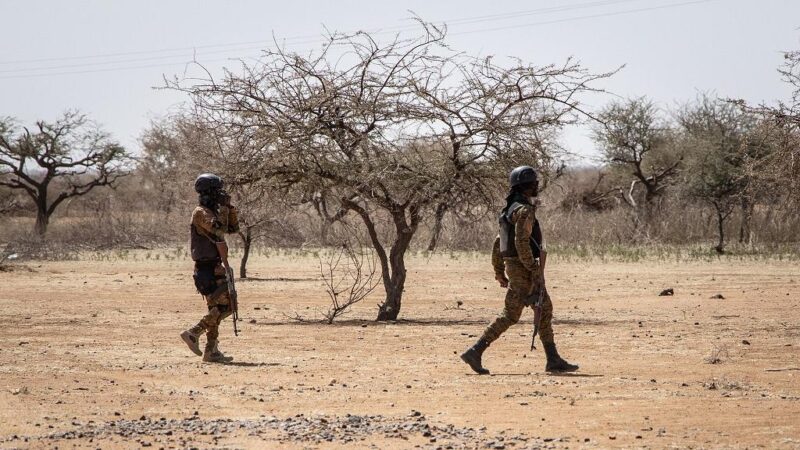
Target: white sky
{"x": 51, "y": 51}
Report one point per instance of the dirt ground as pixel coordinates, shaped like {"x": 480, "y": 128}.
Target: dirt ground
{"x": 90, "y": 357}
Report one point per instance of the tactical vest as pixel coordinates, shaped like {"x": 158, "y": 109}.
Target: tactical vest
{"x": 203, "y": 248}
{"x": 508, "y": 247}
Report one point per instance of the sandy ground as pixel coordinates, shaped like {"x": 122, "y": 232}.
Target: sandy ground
{"x": 90, "y": 357}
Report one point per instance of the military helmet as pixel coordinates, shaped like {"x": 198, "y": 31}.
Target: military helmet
{"x": 522, "y": 175}
{"x": 207, "y": 182}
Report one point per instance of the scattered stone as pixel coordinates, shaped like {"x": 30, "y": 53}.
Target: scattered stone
{"x": 299, "y": 430}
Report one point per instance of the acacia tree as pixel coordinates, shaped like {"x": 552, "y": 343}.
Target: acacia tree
{"x": 722, "y": 143}
{"x": 389, "y": 131}
{"x": 782, "y": 168}
{"x": 165, "y": 172}
{"x": 634, "y": 138}
{"x": 58, "y": 160}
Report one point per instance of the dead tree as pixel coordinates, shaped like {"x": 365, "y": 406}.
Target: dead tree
{"x": 349, "y": 274}
{"x": 70, "y": 156}
{"x": 389, "y": 131}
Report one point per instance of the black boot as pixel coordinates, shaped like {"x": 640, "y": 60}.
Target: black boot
{"x": 556, "y": 363}
{"x": 473, "y": 357}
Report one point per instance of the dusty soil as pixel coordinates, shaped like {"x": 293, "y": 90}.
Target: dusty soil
{"x": 90, "y": 357}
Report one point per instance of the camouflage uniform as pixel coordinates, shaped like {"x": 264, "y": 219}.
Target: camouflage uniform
{"x": 516, "y": 256}
{"x": 523, "y": 274}
{"x": 213, "y": 227}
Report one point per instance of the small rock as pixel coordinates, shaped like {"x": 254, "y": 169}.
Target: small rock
{"x": 666, "y": 292}
{"x": 718, "y": 296}
{"x": 745, "y": 342}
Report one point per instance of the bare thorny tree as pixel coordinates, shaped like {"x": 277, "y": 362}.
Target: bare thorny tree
{"x": 71, "y": 156}
{"x": 779, "y": 172}
{"x": 389, "y": 132}
{"x": 349, "y": 274}
{"x": 633, "y": 139}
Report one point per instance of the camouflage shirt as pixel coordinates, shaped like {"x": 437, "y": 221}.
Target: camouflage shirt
{"x": 215, "y": 226}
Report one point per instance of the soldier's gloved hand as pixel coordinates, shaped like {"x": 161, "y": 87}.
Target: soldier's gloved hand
{"x": 224, "y": 198}
{"x": 502, "y": 280}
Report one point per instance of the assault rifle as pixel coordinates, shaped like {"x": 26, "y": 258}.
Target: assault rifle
{"x": 234, "y": 298}
{"x": 537, "y": 305}
{"x": 222, "y": 247}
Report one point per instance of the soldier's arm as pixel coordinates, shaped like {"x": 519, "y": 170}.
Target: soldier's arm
{"x": 207, "y": 224}
{"x": 523, "y": 227}
{"x": 498, "y": 265}
{"x": 233, "y": 219}
{"x": 497, "y": 259}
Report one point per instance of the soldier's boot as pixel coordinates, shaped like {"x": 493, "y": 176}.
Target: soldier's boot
{"x": 473, "y": 357}
{"x": 192, "y": 338}
{"x": 218, "y": 354}
{"x": 211, "y": 354}
{"x": 556, "y": 363}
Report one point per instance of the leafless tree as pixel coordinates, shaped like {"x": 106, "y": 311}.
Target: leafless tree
{"x": 349, "y": 273}
{"x": 166, "y": 173}
{"x": 389, "y": 131}
{"x": 71, "y": 156}
{"x": 634, "y": 138}
{"x": 782, "y": 169}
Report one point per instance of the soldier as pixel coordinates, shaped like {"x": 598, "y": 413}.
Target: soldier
{"x": 214, "y": 217}
{"x": 516, "y": 253}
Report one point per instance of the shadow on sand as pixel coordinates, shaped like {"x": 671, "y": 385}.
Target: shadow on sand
{"x": 255, "y": 279}
{"x": 575, "y": 375}
{"x": 250, "y": 364}
{"x": 372, "y": 323}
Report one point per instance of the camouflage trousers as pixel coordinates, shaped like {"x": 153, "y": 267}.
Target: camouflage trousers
{"x": 520, "y": 280}
{"x": 218, "y": 303}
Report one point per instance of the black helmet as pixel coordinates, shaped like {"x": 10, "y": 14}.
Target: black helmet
{"x": 522, "y": 175}
{"x": 207, "y": 182}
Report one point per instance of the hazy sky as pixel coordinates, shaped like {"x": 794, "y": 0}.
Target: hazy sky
{"x": 105, "y": 56}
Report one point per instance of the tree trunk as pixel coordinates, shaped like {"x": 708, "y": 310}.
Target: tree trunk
{"x": 720, "y": 248}
{"x": 42, "y": 215}
{"x": 390, "y": 308}
{"x": 393, "y": 267}
{"x": 247, "y": 241}
{"x": 745, "y": 233}
{"x": 437, "y": 226}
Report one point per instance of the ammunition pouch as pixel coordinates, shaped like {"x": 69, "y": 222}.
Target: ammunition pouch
{"x": 204, "y": 278}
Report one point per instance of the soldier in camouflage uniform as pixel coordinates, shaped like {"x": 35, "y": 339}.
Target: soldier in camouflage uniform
{"x": 214, "y": 217}
{"x": 516, "y": 258}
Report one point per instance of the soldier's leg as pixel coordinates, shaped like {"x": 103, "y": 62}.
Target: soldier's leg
{"x": 192, "y": 337}
{"x": 555, "y": 363}
{"x": 510, "y": 315}
{"x": 546, "y": 324}
{"x": 211, "y": 322}
{"x": 519, "y": 280}
{"x": 218, "y": 306}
